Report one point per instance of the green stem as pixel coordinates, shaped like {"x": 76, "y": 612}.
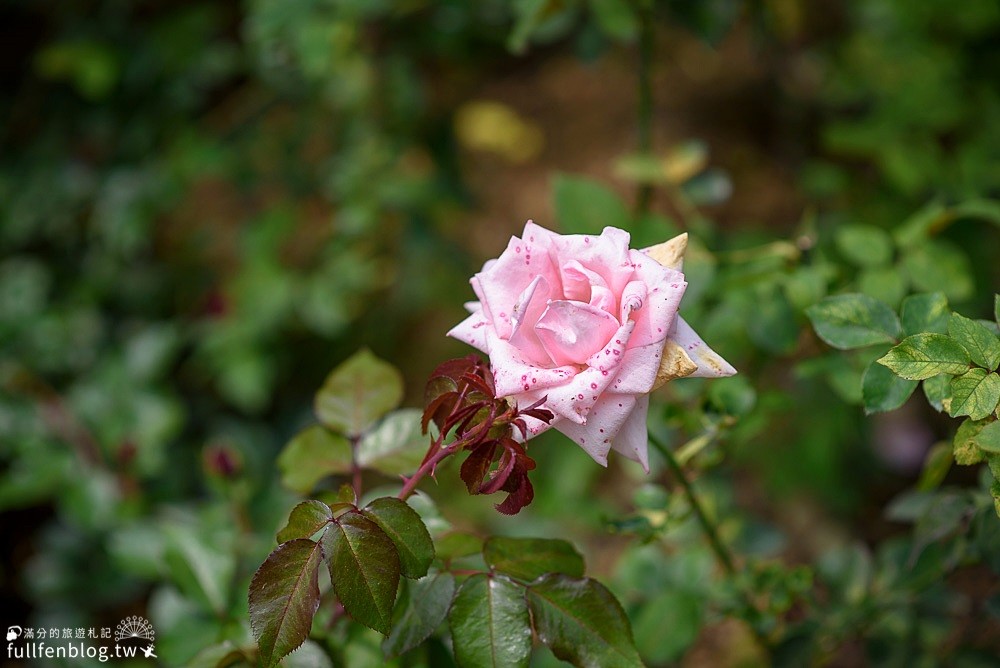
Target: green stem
{"x": 355, "y": 468}
{"x": 645, "y": 107}
{"x": 708, "y": 528}
{"x": 722, "y": 552}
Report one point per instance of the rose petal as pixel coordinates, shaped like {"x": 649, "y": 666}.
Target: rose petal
{"x": 602, "y": 298}
{"x": 572, "y": 331}
{"x": 526, "y": 312}
{"x": 632, "y": 440}
{"x": 538, "y": 235}
{"x": 638, "y": 370}
{"x": 674, "y": 363}
{"x": 665, "y": 288}
{"x": 513, "y": 375}
{"x": 473, "y": 330}
{"x": 710, "y": 364}
{"x": 575, "y": 399}
{"x": 604, "y": 422}
{"x": 670, "y": 253}
{"x": 607, "y": 254}
{"x": 503, "y": 283}
{"x": 578, "y": 281}
{"x": 478, "y": 289}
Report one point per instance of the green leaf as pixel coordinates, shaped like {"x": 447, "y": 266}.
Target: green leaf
{"x": 937, "y": 463}
{"x": 404, "y": 527}
{"x": 489, "y": 623}
{"x": 965, "y": 447}
{"x": 926, "y": 312}
{"x": 734, "y": 395}
{"x": 530, "y": 558}
{"x": 458, "y": 544}
{"x": 220, "y": 655}
{"x": 975, "y": 393}
{"x": 983, "y": 346}
{"x": 305, "y": 520}
{"x": 988, "y": 438}
{"x": 616, "y": 18}
{"x": 882, "y": 390}
{"x": 773, "y": 327}
{"x": 586, "y": 206}
{"x": 421, "y": 609}
{"x": 284, "y": 596}
{"x": 668, "y": 624}
{"x": 640, "y": 168}
{"x": 199, "y": 566}
{"x": 939, "y": 265}
{"x": 357, "y": 393}
{"x": 853, "y": 321}
{"x": 883, "y": 283}
{"x": 364, "y": 567}
{"x": 937, "y": 389}
{"x": 996, "y": 309}
{"x": 922, "y": 224}
{"x": 312, "y": 455}
{"x": 396, "y": 445}
{"x": 980, "y": 209}
{"x": 530, "y": 14}
{"x": 924, "y": 355}
{"x": 864, "y": 245}
{"x": 582, "y": 622}
{"x": 941, "y": 518}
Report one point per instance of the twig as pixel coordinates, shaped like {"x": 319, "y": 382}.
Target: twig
{"x": 58, "y": 417}
{"x": 708, "y": 528}
{"x": 645, "y": 106}
{"x": 428, "y": 467}
{"x": 355, "y": 468}
{"x": 722, "y": 553}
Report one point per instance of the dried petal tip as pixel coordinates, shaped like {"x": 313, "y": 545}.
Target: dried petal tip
{"x": 670, "y": 253}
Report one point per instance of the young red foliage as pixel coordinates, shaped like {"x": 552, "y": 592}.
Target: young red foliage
{"x": 460, "y": 399}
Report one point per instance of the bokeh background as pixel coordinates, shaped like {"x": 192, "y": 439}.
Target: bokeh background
{"x": 206, "y": 205}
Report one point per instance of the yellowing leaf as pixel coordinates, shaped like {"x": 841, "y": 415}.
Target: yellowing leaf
{"x": 493, "y": 127}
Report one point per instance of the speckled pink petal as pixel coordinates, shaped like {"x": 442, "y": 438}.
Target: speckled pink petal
{"x": 632, "y": 440}
{"x": 710, "y": 364}
{"x": 637, "y": 372}
{"x": 665, "y": 288}
{"x": 606, "y": 254}
{"x": 604, "y": 422}
{"x": 603, "y": 299}
{"x": 512, "y": 374}
{"x": 478, "y": 289}
{"x": 505, "y": 280}
{"x": 538, "y": 235}
{"x": 529, "y": 307}
{"x": 473, "y": 330}
{"x": 571, "y": 331}
{"x": 575, "y": 399}
{"x": 578, "y": 281}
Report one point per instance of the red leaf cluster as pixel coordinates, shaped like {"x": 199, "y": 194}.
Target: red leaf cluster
{"x": 460, "y": 400}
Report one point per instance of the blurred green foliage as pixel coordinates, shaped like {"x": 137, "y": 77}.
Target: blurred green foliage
{"x": 205, "y": 205}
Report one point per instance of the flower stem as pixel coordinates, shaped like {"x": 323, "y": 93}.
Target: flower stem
{"x": 427, "y": 467}
{"x": 708, "y": 528}
{"x": 722, "y": 553}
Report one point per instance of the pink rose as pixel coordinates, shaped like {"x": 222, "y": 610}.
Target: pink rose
{"x": 591, "y": 326}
